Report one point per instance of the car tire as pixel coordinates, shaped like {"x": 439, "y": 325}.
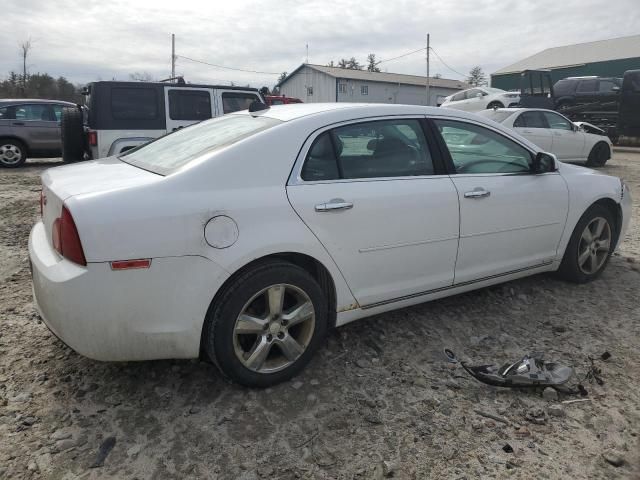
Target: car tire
{"x": 599, "y": 155}
{"x": 13, "y": 153}
{"x": 252, "y": 341}
{"x": 587, "y": 254}
{"x": 562, "y": 106}
{"x": 73, "y": 138}
{"x": 495, "y": 105}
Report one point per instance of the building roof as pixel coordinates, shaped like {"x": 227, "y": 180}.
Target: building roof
{"x": 578, "y": 54}
{"x": 384, "y": 77}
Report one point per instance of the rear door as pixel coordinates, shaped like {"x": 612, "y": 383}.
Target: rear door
{"x": 568, "y": 142}
{"x": 40, "y": 126}
{"x": 372, "y": 194}
{"x": 185, "y": 106}
{"x": 533, "y": 126}
{"x": 228, "y": 101}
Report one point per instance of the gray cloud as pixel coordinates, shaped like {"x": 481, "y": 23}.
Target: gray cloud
{"x": 88, "y": 40}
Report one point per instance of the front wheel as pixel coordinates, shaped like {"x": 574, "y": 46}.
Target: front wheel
{"x": 590, "y": 246}
{"x": 266, "y": 325}
{"x": 599, "y": 155}
{"x": 12, "y": 153}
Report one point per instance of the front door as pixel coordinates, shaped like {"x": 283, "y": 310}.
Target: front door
{"x": 510, "y": 218}
{"x": 186, "y": 106}
{"x": 568, "y": 142}
{"x": 533, "y": 126}
{"x": 39, "y": 125}
{"x": 370, "y": 193}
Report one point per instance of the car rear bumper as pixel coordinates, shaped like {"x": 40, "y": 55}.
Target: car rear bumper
{"x": 127, "y": 315}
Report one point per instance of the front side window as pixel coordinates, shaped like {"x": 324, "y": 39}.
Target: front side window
{"x": 531, "y": 120}
{"x": 364, "y": 90}
{"x": 234, "y": 102}
{"x": 189, "y": 105}
{"x": 386, "y": 148}
{"x": 476, "y": 149}
{"x": 556, "y": 122}
{"x": 134, "y": 103}
{"x": 169, "y": 153}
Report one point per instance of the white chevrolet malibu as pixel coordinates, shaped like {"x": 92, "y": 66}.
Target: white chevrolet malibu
{"x": 246, "y": 237}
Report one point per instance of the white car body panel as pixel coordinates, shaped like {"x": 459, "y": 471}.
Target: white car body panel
{"x": 478, "y": 103}
{"x": 566, "y": 145}
{"x": 385, "y": 253}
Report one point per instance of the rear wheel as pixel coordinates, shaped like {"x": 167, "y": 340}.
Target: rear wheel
{"x": 13, "y": 153}
{"x": 495, "y": 105}
{"x": 599, "y": 155}
{"x": 266, "y": 325}
{"x": 73, "y": 139}
{"x": 590, "y": 246}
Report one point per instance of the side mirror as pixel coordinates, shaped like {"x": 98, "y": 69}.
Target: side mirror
{"x": 544, "y": 162}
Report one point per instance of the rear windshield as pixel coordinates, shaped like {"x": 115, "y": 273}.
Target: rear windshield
{"x": 169, "y": 153}
{"x": 496, "y": 115}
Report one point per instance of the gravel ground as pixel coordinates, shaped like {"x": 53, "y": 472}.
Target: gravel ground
{"x": 379, "y": 400}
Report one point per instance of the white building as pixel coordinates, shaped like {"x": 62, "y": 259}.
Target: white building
{"x": 318, "y": 83}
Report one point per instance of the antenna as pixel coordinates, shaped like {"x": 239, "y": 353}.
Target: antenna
{"x": 428, "y": 93}
{"x": 173, "y": 55}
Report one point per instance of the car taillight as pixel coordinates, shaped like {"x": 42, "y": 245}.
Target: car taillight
{"x": 41, "y": 202}
{"x": 65, "y": 238}
{"x": 92, "y": 137}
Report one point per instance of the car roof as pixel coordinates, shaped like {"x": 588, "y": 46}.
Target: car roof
{"x": 17, "y": 101}
{"x": 294, "y": 111}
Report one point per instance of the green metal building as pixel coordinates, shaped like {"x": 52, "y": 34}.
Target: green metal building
{"x": 604, "y": 58}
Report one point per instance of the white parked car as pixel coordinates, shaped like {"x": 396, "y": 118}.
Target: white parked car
{"x": 480, "y": 98}
{"x": 245, "y": 237}
{"x": 555, "y": 133}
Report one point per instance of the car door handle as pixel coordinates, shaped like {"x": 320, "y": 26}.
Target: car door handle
{"x": 527, "y": 131}
{"x": 19, "y": 124}
{"x": 333, "y": 205}
{"x": 477, "y": 193}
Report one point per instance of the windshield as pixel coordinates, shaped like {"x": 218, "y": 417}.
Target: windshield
{"x": 169, "y": 153}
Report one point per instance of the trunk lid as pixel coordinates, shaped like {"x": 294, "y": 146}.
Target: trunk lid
{"x": 93, "y": 177}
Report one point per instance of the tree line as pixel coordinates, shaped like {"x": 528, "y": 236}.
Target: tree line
{"x": 39, "y": 85}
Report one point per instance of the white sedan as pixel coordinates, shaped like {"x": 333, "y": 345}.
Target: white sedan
{"x": 555, "y": 133}
{"x": 481, "y": 98}
{"x": 246, "y": 237}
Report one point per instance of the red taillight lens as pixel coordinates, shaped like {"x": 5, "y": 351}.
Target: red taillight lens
{"x": 92, "y": 137}
{"x": 66, "y": 240}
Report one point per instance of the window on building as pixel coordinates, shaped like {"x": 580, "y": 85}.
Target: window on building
{"x": 189, "y": 104}
{"x": 342, "y": 88}
{"x": 309, "y": 91}
{"x": 364, "y": 90}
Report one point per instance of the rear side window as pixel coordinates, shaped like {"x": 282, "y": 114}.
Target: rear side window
{"x": 564, "y": 87}
{"x": 388, "y": 148}
{"x": 234, "y": 102}
{"x": 531, "y": 120}
{"x": 134, "y": 103}
{"x": 168, "y": 153}
{"x": 587, "y": 86}
{"x": 458, "y": 96}
{"x": 42, "y": 112}
{"x": 189, "y": 105}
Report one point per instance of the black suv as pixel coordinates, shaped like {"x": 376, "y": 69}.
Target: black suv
{"x": 581, "y": 90}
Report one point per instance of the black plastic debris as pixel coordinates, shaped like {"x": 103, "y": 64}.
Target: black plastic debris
{"x": 103, "y": 452}
{"x": 507, "y": 448}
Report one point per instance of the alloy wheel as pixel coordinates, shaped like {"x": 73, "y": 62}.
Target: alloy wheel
{"x": 274, "y": 328}
{"x": 594, "y": 245}
{"x": 10, "y": 154}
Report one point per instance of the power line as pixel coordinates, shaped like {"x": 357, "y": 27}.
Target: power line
{"x": 443, "y": 62}
{"x": 227, "y": 68}
{"x": 400, "y": 56}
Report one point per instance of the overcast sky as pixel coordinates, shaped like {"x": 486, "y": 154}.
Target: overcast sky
{"x": 86, "y": 40}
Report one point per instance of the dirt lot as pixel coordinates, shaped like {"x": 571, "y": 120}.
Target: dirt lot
{"x": 379, "y": 391}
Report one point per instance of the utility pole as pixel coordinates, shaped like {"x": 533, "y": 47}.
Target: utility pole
{"x": 428, "y": 93}
{"x": 173, "y": 57}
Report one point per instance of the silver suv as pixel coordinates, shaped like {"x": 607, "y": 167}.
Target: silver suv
{"x": 29, "y": 128}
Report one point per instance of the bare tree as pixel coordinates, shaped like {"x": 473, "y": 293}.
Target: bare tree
{"x": 25, "y": 48}
{"x": 141, "y": 77}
